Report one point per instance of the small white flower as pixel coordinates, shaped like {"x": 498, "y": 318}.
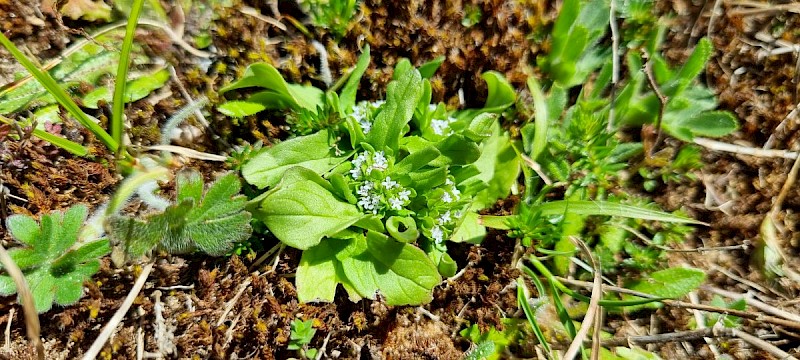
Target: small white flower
{"x": 370, "y": 203}
{"x": 378, "y": 103}
{"x": 448, "y": 181}
{"x": 365, "y": 188}
{"x": 456, "y": 193}
{"x": 388, "y": 183}
{"x": 396, "y": 203}
{"x": 366, "y": 126}
{"x": 359, "y": 160}
{"x": 355, "y": 173}
{"x": 446, "y": 197}
{"x": 439, "y": 126}
{"x": 403, "y": 195}
{"x": 437, "y": 234}
{"x": 445, "y": 218}
{"x": 379, "y": 161}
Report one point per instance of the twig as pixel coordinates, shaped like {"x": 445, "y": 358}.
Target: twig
{"x": 32, "y": 326}
{"x": 261, "y": 259}
{"x": 756, "y": 7}
{"x": 108, "y": 330}
{"x": 681, "y": 304}
{"x": 678, "y": 336}
{"x": 761, "y": 344}
{"x": 594, "y": 307}
{"x": 8, "y": 328}
{"x": 190, "y": 153}
{"x": 651, "y": 79}
{"x": 701, "y": 324}
{"x": 754, "y": 303}
{"x": 229, "y": 332}
{"x": 429, "y": 314}
{"x": 742, "y": 280}
{"x": 649, "y": 242}
{"x": 744, "y": 150}
{"x": 716, "y": 332}
{"x": 232, "y": 302}
{"x": 790, "y": 180}
{"x": 536, "y": 168}
{"x": 322, "y": 348}
{"x": 250, "y": 11}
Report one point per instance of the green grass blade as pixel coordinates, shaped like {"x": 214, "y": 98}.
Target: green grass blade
{"x": 540, "y": 120}
{"x": 587, "y": 208}
{"x": 65, "y": 144}
{"x": 526, "y": 308}
{"x": 118, "y": 103}
{"x": 59, "y": 94}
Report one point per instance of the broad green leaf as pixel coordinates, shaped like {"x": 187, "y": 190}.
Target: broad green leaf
{"x": 458, "y": 150}
{"x": 469, "y": 230}
{"x": 498, "y": 167}
{"x": 402, "y": 96}
{"x": 239, "y": 109}
{"x": 135, "y": 89}
{"x": 314, "y": 152}
{"x": 266, "y": 76}
{"x": 316, "y": 278}
{"x": 481, "y": 127}
{"x": 418, "y": 158}
{"x": 694, "y": 65}
{"x": 711, "y": 124}
{"x": 401, "y": 273}
{"x": 347, "y": 97}
{"x": 300, "y": 214}
{"x": 428, "y": 69}
{"x": 670, "y": 283}
{"x": 501, "y": 94}
{"x": 402, "y": 229}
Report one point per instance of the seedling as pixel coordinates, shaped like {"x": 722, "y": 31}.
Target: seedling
{"x": 301, "y": 335}
{"x": 334, "y": 15}
{"x": 55, "y": 267}
{"x": 210, "y": 222}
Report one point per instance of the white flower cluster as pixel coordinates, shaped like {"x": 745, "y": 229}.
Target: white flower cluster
{"x": 440, "y": 126}
{"x": 437, "y": 233}
{"x": 376, "y": 162}
{"x": 362, "y": 111}
{"x": 453, "y": 194}
{"x": 373, "y": 195}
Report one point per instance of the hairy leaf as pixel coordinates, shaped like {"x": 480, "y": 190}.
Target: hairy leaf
{"x": 54, "y": 269}
{"x": 211, "y": 223}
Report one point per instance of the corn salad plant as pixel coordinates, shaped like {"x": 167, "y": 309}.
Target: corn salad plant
{"x": 373, "y": 191}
